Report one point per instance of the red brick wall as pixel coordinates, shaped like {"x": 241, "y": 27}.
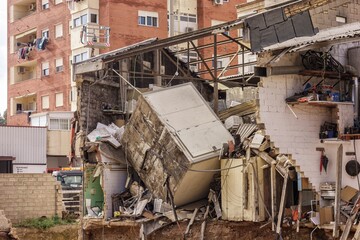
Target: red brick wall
{"x": 122, "y": 17}
{"x": 208, "y": 11}
{"x": 59, "y": 47}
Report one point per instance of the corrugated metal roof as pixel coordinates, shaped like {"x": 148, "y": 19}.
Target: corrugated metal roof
{"x": 26, "y": 144}
{"x": 345, "y": 31}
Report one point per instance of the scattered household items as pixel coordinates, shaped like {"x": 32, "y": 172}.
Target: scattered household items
{"x": 328, "y": 130}
{"x": 316, "y": 60}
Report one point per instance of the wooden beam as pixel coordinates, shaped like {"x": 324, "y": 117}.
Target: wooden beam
{"x": 282, "y": 203}
{"x": 299, "y": 211}
{"x": 338, "y": 191}
{"x": 273, "y": 195}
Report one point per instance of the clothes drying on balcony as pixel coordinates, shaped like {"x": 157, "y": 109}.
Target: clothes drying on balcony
{"x": 23, "y": 52}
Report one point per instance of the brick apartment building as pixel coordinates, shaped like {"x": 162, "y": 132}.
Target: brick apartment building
{"x": 40, "y": 78}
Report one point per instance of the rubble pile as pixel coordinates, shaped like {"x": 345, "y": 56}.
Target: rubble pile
{"x": 7, "y": 232}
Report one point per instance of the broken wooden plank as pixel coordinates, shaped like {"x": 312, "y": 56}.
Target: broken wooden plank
{"x": 299, "y": 212}
{"x": 191, "y": 221}
{"x": 338, "y": 191}
{"x": 203, "y": 225}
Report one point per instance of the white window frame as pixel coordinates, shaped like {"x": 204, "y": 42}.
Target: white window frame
{"x": 59, "y": 30}
{"x": 148, "y": 18}
{"x": 59, "y": 65}
{"x": 81, "y": 20}
{"x": 45, "y": 102}
{"x": 45, "y": 69}
{"x": 45, "y": 33}
{"x": 59, "y": 99}
{"x": 59, "y": 124}
{"x": 44, "y": 4}
{"x": 58, "y": 2}
{"x": 80, "y": 57}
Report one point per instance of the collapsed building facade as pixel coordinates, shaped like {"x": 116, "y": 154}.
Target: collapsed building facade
{"x": 151, "y": 145}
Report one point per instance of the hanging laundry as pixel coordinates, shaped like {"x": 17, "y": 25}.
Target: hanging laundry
{"x": 43, "y": 43}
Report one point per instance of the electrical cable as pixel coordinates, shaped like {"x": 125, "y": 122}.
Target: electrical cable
{"x": 216, "y": 170}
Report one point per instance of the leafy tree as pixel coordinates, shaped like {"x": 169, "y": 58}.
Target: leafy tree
{"x": 3, "y": 118}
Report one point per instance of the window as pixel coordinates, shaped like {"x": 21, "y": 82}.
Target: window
{"x": 184, "y": 17}
{"x": 18, "y": 108}
{"x": 80, "y": 20}
{"x": 148, "y": 18}
{"x": 93, "y": 18}
{"x": 45, "y": 4}
{"x": 45, "y": 102}
{"x": 219, "y": 63}
{"x": 59, "y": 65}
{"x": 58, "y": 30}
{"x": 80, "y": 57}
{"x": 59, "y": 99}
{"x": 341, "y": 19}
{"x": 59, "y": 124}
{"x": 58, "y": 2}
{"x": 45, "y": 33}
{"x": 45, "y": 69}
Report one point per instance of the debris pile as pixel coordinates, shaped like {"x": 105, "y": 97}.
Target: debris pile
{"x": 6, "y": 229}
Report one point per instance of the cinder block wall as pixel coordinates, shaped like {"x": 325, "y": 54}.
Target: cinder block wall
{"x": 325, "y": 16}
{"x": 296, "y": 136}
{"x": 29, "y": 196}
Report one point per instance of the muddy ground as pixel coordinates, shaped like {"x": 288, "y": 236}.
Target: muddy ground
{"x": 214, "y": 230}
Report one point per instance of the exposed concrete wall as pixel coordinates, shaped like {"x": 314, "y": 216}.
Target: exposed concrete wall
{"x": 29, "y": 196}
{"x": 95, "y": 98}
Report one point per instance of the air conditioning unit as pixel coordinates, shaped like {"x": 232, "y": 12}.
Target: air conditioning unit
{"x": 218, "y": 2}
{"x": 22, "y": 70}
{"x": 189, "y": 29}
{"x": 162, "y": 70}
{"x": 32, "y": 7}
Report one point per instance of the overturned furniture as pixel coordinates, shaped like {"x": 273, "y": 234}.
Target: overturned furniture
{"x": 171, "y": 137}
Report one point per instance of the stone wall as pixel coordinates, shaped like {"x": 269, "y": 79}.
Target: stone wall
{"x": 29, "y": 196}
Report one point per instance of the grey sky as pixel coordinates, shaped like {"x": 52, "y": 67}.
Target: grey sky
{"x": 3, "y": 56}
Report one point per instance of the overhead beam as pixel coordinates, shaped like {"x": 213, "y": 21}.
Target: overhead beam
{"x": 202, "y": 60}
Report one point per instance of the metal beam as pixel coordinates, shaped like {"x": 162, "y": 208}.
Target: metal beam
{"x": 202, "y": 60}
{"x": 216, "y": 92}
{"x": 173, "y": 62}
{"x": 234, "y": 40}
{"x": 227, "y": 65}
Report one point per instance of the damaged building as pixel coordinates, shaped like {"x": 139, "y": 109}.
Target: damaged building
{"x": 276, "y": 142}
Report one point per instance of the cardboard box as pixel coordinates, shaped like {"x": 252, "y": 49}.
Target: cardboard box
{"x": 326, "y": 215}
{"x": 347, "y": 193}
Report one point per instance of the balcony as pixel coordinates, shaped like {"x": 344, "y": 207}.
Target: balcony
{"x": 22, "y": 9}
{"x": 26, "y": 103}
{"x": 23, "y": 72}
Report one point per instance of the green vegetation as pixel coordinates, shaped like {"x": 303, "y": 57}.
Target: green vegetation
{"x": 43, "y": 222}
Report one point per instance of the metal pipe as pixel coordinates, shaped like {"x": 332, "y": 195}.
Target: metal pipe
{"x": 216, "y": 93}
{"x": 356, "y": 97}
